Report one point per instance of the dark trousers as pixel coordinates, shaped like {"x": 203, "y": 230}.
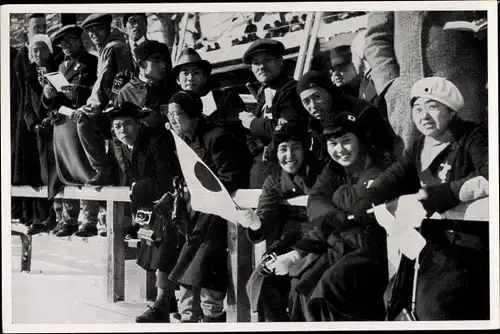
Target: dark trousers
{"x": 67, "y": 210}
{"x": 93, "y": 131}
{"x": 32, "y": 209}
{"x": 273, "y": 299}
{"x": 453, "y": 278}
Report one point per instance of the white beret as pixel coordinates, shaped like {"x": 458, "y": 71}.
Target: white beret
{"x": 438, "y": 89}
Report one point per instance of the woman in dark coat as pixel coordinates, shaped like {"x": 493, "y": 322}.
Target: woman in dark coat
{"x": 343, "y": 271}
{"x": 277, "y": 224}
{"x": 34, "y": 158}
{"x": 446, "y": 166}
{"x": 202, "y": 264}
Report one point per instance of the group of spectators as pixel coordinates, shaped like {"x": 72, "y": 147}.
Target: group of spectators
{"x": 401, "y": 111}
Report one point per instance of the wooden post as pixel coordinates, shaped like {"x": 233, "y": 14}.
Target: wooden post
{"x": 312, "y": 42}
{"x": 299, "y": 67}
{"x": 26, "y": 249}
{"x": 240, "y": 268}
{"x": 116, "y": 252}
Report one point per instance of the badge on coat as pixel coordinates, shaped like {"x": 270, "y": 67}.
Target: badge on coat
{"x": 443, "y": 172}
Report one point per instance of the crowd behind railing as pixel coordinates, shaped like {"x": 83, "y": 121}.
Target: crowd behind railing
{"x": 383, "y": 122}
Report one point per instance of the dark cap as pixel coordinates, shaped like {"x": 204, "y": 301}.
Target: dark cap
{"x": 189, "y": 101}
{"x": 125, "y": 109}
{"x": 65, "y": 30}
{"x": 97, "y": 18}
{"x": 126, "y": 16}
{"x": 290, "y": 131}
{"x": 337, "y": 125}
{"x": 340, "y": 55}
{"x": 263, "y": 45}
{"x": 151, "y": 47}
{"x": 316, "y": 79}
{"x": 190, "y": 56}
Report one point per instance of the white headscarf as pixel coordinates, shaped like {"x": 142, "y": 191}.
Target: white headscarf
{"x": 40, "y": 38}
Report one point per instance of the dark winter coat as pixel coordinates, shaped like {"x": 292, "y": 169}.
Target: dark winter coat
{"x": 286, "y": 104}
{"x": 152, "y": 166}
{"x": 203, "y": 259}
{"x": 343, "y": 272}
{"x": 71, "y": 161}
{"x": 282, "y": 225}
{"x": 452, "y": 281}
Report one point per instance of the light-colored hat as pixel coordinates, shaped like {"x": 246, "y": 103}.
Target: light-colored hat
{"x": 41, "y": 38}
{"x": 438, "y": 89}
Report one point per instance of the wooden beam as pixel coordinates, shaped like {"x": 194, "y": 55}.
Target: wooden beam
{"x": 239, "y": 268}
{"x": 119, "y": 194}
{"x": 116, "y": 252}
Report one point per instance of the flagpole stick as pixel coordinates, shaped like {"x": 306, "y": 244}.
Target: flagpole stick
{"x": 351, "y": 217}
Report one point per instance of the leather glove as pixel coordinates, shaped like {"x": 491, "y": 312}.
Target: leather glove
{"x": 71, "y": 91}
{"x": 49, "y": 91}
{"x": 283, "y": 263}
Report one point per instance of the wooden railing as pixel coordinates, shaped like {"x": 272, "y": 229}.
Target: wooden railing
{"x": 242, "y": 254}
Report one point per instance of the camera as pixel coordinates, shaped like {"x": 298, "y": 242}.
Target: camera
{"x": 143, "y": 218}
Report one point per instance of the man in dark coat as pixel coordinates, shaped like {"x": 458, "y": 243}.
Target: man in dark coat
{"x": 80, "y": 70}
{"x": 93, "y": 126}
{"x": 342, "y": 71}
{"x": 322, "y": 99}
{"x": 152, "y": 86}
{"x": 277, "y": 99}
{"x": 148, "y": 164}
{"x": 202, "y": 264}
{"x": 220, "y": 107}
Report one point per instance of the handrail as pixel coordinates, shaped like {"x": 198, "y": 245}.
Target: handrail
{"x": 240, "y": 249}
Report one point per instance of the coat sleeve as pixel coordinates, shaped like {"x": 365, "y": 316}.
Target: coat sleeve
{"x": 289, "y": 108}
{"x": 269, "y": 212}
{"x": 226, "y": 153}
{"x": 446, "y": 196}
{"x": 379, "y": 49}
{"x": 166, "y": 166}
{"x": 115, "y": 59}
{"x": 30, "y": 117}
{"x": 321, "y": 211}
{"x": 398, "y": 179}
{"x": 346, "y": 196}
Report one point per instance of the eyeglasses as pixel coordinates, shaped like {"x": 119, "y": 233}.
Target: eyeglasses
{"x": 67, "y": 41}
{"x": 170, "y": 114}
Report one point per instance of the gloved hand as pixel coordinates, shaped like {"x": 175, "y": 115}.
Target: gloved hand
{"x": 248, "y": 219}
{"x": 410, "y": 211}
{"x": 46, "y": 122}
{"x": 360, "y": 207}
{"x": 49, "y": 91}
{"x": 284, "y": 262}
{"x": 71, "y": 91}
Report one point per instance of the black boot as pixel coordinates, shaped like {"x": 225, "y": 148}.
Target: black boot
{"x": 87, "y": 230}
{"x": 219, "y": 318}
{"x": 154, "y": 314}
{"x": 67, "y": 230}
{"x": 42, "y": 227}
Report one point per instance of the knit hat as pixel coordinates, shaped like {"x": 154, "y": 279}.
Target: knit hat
{"x": 290, "y": 131}
{"x": 338, "y": 125}
{"x": 126, "y": 16}
{"x": 316, "y": 79}
{"x": 438, "y": 89}
{"x": 151, "y": 47}
{"x": 189, "y": 101}
{"x": 41, "y": 38}
{"x": 125, "y": 109}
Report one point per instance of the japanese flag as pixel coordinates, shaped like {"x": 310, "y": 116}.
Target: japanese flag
{"x": 208, "y": 194}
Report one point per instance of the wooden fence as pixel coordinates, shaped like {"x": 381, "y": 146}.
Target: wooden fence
{"x": 242, "y": 254}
